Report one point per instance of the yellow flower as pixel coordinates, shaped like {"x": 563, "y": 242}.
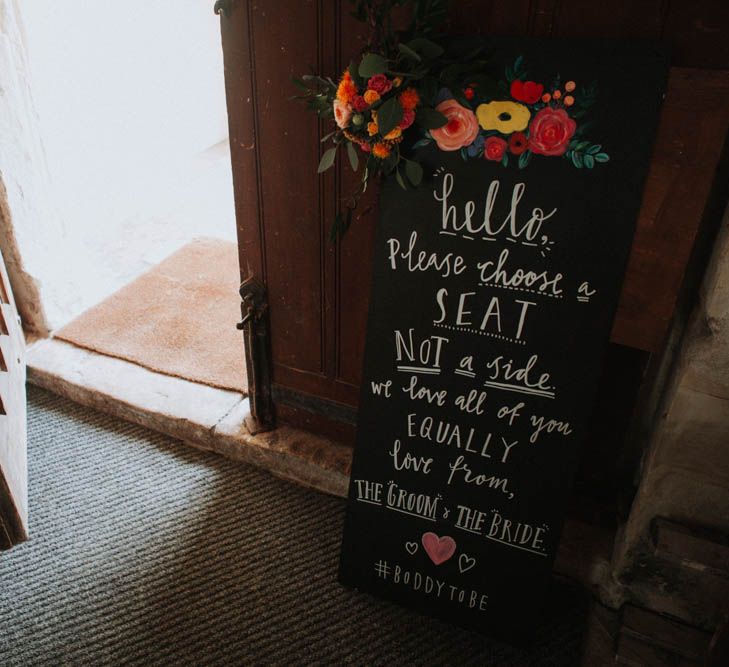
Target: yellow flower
{"x": 372, "y": 128}
{"x": 371, "y": 96}
{"x": 381, "y": 150}
{"x": 397, "y": 81}
{"x": 504, "y": 117}
{"x": 393, "y": 134}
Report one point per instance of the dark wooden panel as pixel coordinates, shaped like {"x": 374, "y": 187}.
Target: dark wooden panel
{"x": 691, "y": 136}
{"x": 698, "y": 32}
{"x": 318, "y": 293}
{"x": 476, "y": 17}
{"x": 614, "y": 19}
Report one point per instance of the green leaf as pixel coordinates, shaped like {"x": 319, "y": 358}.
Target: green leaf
{"x": 399, "y": 180}
{"x": 524, "y": 159}
{"x": 353, "y": 157}
{"x": 388, "y": 116}
{"x": 602, "y": 157}
{"x": 582, "y": 145}
{"x": 371, "y": 64}
{"x": 589, "y": 161}
{"x": 421, "y": 142}
{"x": 408, "y": 52}
{"x": 430, "y": 119}
{"x": 414, "y": 172}
{"x": 425, "y": 48}
{"x": 327, "y": 160}
{"x": 577, "y": 159}
{"x": 595, "y": 148}
{"x": 505, "y": 160}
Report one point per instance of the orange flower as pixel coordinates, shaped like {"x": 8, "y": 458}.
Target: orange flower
{"x": 346, "y": 89}
{"x": 546, "y": 97}
{"x": 570, "y": 86}
{"x": 381, "y": 150}
{"x": 393, "y": 134}
{"x": 568, "y": 100}
{"x": 409, "y": 99}
{"x": 372, "y": 128}
{"x": 557, "y": 94}
{"x": 371, "y": 96}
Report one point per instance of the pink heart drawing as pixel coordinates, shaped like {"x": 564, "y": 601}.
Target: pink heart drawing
{"x": 440, "y": 549}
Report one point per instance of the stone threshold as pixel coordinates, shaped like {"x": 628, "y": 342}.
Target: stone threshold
{"x": 205, "y": 417}
{"x": 213, "y": 419}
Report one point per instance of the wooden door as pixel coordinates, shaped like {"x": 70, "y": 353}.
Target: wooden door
{"x": 13, "y": 455}
{"x": 318, "y": 293}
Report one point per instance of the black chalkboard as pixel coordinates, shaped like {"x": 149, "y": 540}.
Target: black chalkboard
{"x": 494, "y": 290}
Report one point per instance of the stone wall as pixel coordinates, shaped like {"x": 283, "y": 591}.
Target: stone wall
{"x": 685, "y": 474}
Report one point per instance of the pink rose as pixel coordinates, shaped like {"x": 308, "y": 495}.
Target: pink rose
{"x": 408, "y": 118}
{"x": 342, "y": 113}
{"x": 550, "y": 132}
{"x": 493, "y": 148}
{"x": 380, "y": 84}
{"x": 460, "y": 130}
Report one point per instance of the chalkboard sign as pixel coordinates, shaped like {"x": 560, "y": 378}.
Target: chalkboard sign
{"x": 495, "y": 286}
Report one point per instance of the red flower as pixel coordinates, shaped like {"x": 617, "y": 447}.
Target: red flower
{"x": 366, "y": 148}
{"x": 380, "y": 84}
{"x": 494, "y": 148}
{"x": 550, "y": 131}
{"x": 518, "y": 143}
{"x": 526, "y": 91}
{"x": 408, "y": 118}
{"x": 468, "y": 93}
{"x": 359, "y": 103}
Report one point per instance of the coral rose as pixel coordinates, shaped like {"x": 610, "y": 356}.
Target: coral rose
{"x": 494, "y": 148}
{"x": 460, "y": 130}
{"x": 550, "y": 132}
{"x": 526, "y": 91}
{"x": 342, "y": 113}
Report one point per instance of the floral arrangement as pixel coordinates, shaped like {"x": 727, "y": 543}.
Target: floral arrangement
{"x": 523, "y": 118}
{"x": 407, "y": 91}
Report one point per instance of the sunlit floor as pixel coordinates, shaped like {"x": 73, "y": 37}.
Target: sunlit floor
{"x": 98, "y": 257}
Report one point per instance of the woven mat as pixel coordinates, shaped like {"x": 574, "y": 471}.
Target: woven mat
{"x": 179, "y": 318}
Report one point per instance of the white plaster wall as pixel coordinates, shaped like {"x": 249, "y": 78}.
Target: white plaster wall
{"x": 128, "y": 95}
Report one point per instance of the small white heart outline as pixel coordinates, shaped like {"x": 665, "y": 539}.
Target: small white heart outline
{"x": 411, "y": 547}
{"x": 466, "y": 562}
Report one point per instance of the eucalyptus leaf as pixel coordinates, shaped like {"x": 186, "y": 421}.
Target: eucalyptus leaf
{"x": 425, "y": 48}
{"x": 389, "y": 116}
{"x": 408, "y": 52}
{"x": 421, "y": 142}
{"x": 327, "y": 160}
{"x": 371, "y": 64}
{"x": 430, "y": 119}
{"x": 577, "y": 159}
{"x": 602, "y": 157}
{"x": 595, "y": 148}
{"x": 589, "y": 161}
{"x": 414, "y": 172}
{"x": 353, "y": 157}
{"x": 399, "y": 180}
